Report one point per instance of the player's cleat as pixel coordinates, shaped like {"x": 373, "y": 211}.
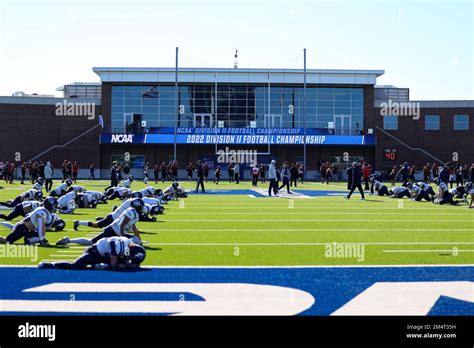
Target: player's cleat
{"x": 63, "y": 241}
{"x": 44, "y": 242}
{"x": 347, "y": 197}
{"x": 3, "y": 240}
{"x": 362, "y": 199}
{"x": 76, "y": 225}
{"x": 45, "y": 265}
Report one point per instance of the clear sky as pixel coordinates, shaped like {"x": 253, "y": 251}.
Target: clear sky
{"x": 424, "y": 45}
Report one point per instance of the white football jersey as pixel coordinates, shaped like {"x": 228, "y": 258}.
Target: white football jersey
{"x": 133, "y": 217}
{"x": 60, "y": 189}
{"x": 443, "y": 187}
{"x": 30, "y": 204}
{"x": 151, "y": 201}
{"x": 97, "y": 195}
{"x": 454, "y": 191}
{"x": 78, "y": 189}
{"x": 378, "y": 185}
{"x": 149, "y": 191}
{"x": 124, "y": 206}
{"x": 65, "y": 201}
{"x": 417, "y": 189}
{"x": 37, "y": 216}
{"x": 398, "y": 189}
{"x": 424, "y": 186}
{"x": 30, "y": 194}
{"x": 122, "y": 191}
{"x": 127, "y": 183}
{"x": 118, "y": 246}
{"x": 38, "y": 187}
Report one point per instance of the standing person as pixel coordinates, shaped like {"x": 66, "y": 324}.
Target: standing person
{"x": 255, "y": 173}
{"x": 146, "y": 173}
{"x": 41, "y": 169}
{"x": 164, "y": 172}
{"x": 119, "y": 172}
{"x": 471, "y": 173}
{"x": 230, "y": 172}
{"x": 293, "y": 175}
{"x": 272, "y": 177}
{"x": 75, "y": 171}
{"x": 349, "y": 171}
{"x": 459, "y": 175}
{"x": 206, "y": 171}
{"x": 329, "y": 173}
{"x": 237, "y": 172}
{"x": 190, "y": 170}
{"x": 174, "y": 171}
{"x": 322, "y": 171}
{"x": 356, "y": 181}
{"x": 48, "y": 176}
{"x": 261, "y": 171}
{"x": 444, "y": 174}
{"x": 64, "y": 170}
{"x": 126, "y": 170}
{"x": 367, "y": 171}
{"x": 23, "y": 173}
{"x": 301, "y": 173}
{"x": 217, "y": 175}
{"x": 404, "y": 172}
{"x": 156, "y": 173}
{"x": 91, "y": 172}
{"x": 200, "y": 178}
{"x": 434, "y": 171}
{"x": 113, "y": 176}
{"x": 426, "y": 173}
{"x": 411, "y": 175}
{"x": 69, "y": 170}
{"x": 285, "y": 176}
{"x": 393, "y": 175}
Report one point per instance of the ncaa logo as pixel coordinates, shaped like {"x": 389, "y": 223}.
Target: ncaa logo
{"x": 122, "y": 138}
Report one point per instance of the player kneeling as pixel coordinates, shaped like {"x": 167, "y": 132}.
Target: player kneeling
{"x": 399, "y": 192}
{"x": 106, "y": 253}
{"x": 417, "y": 193}
{"x": 443, "y": 196}
{"x": 174, "y": 192}
{"x": 33, "y": 227}
{"x": 381, "y": 189}
{"x": 61, "y": 189}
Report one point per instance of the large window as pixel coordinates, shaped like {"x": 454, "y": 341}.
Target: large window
{"x": 390, "y": 122}
{"x": 431, "y": 122}
{"x": 238, "y": 105}
{"x": 461, "y": 122}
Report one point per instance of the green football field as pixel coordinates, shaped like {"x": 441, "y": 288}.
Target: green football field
{"x": 220, "y": 228}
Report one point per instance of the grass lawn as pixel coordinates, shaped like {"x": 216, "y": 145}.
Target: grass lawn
{"x": 237, "y": 229}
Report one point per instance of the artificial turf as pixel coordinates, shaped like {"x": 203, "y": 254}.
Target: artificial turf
{"x": 224, "y": 229}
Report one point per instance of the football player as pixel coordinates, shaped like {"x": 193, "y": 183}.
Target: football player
{"x": 54, "y": 224}
{"x": 33, "y": 227}
{"x": 381, "y": 189}
{"x": 148, "y": 192}
{"x": 399, "y": 192}
{"x": 106, "y": 253}
{"x": 25, "y": 196}
{"x": 426, "y": 187}
{"x": 119, "y": 227}
{"x": 443, "y": 196}
{"x": 62, "y": 189}
{"x": 417, "y": 193}
{"x": 98, "y": 196}
{"x": 149, "y": 212}
{"x": 77, "y": 189}
{"x": 460, "y": 192}
{"x": 66, "y": 203}
{"x": 128, "y": 183}
{"x": 154, "y": 202}
{"x": 39, "y": 184}
{"x": 118, "y": 192}
{"x": 21, "y": 209}
{"x": 471, "y": 193}
{"x": 101, "y": 223}
{"x": 174, "y": 192}
{"x": 86, "y": 200}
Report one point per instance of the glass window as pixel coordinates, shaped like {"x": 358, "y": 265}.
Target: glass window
{"x": 390, "y": 122}
{"x": 461, "y": 122}
{"x": 431, "y": 122}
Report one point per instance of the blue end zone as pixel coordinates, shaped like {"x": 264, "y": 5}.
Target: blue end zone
{"x": 331, "y": 287}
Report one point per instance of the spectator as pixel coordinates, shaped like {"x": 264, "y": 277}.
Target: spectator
{"x": 255, "y": 172}
{"x": 217, "y": 175}
{"x": 200, "y": 179}
{"x": 261, "y": 171}
{"x": 190, "y": 170}
{"x": 156, "y": 173}
{"x": 126, "y": 170}
{"x": 230, "y": 172}
{"x": 75, "y": 171}
{"x": 285, "y": 176}
{"x": 237, "y": 172}
{"x": 206, "y": 171}
{"x": 23, "y": 173}
{"x": 91, "y": 172}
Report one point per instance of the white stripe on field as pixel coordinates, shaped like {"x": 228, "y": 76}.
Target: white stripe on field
{"x": 427, "y": 251}
{"x": 272, "y": 267}
{"x": 311, "y": 243}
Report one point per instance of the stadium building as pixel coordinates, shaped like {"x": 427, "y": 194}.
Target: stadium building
{"x": 145, "y": 116}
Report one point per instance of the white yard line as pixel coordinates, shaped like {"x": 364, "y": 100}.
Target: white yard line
{"x": 427, "y": 251}
{"x": 272, "y": 267}
{"x": 311, "y": 243}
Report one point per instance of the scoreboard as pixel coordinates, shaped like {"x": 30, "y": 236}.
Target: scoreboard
{"x": 390, "y": 154}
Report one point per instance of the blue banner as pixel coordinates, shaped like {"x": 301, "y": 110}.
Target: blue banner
{"x": 239, "y": 139}
{"x": 237, "y": 131}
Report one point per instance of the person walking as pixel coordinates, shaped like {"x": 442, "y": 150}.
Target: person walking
{"x": 217, "y": 175}
{"x": 156, "y": 173}
{"x": 255, "y": 173}
{"x": 23, "y": 173}
{"x": 261, "y": 171}
{"x": 293, "y": 175}
{"x": 126, "y": 170}
{"x": 285, "y": 176}
{"x": 113, "y": 176}
{"x": 356, "y": 181}
{"x": 200, "y": 177}
{"x": 75, "y": 171}
{"x": 48, "y": 176}
{"x": 91, "y": 172}
{"x": 237, "y": 172}
{"x": 272, "y": 177}
{"x": 206, "y": 171}
{"x": 230, "y": 172}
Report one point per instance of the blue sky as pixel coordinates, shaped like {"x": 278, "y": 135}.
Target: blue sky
{"x": 424, "y": 45}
